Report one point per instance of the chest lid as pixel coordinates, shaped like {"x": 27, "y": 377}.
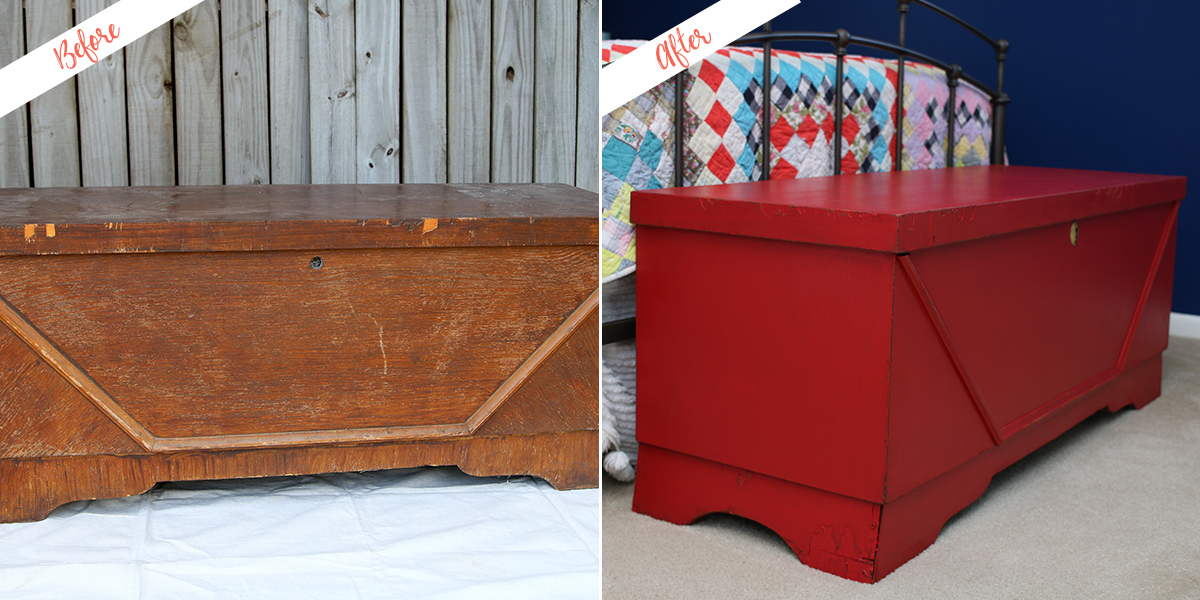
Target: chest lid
{"x": 292, "y": 217}
{"x": 903, "y": 211}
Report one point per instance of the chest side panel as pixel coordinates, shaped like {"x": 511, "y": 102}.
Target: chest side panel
{"x": 228, "y": 343}
{"x": 765, "y": 355}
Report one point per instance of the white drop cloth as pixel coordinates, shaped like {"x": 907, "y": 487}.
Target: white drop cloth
{"x": 406, "y": 533}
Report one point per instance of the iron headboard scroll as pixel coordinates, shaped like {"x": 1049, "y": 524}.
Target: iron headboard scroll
{"x": 841, "y": 39}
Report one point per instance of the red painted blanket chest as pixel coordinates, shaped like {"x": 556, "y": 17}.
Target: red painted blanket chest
{"x": 848, "y": 360}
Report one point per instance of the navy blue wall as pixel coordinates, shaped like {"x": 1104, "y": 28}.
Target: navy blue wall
{"x": 1095, "y": 84}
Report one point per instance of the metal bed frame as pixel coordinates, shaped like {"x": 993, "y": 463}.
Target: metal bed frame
{"x": 623, "y": 329}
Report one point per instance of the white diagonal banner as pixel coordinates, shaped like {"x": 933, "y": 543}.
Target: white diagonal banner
{"x": 81, "y": 47}
{"x": 710, "y": 30}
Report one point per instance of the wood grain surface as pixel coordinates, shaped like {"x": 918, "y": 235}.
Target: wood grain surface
{"x": 332, "y": 91}
{"x": 287, "y": 25}
{"x": 54, "y": 129}
{"x": 103, "y": 134}
{"x": 14, "y": 127}
{"x": 42, "y": 414}
{"x": 199, "y": 146}
{"x": 200, "y": 344}
{"x": 558, "y": 396}
{"x": 513, "y": 73}
{"x": 377, "y": 51}
{"x": 554, "y": 112}
{"x": 424, "y": 91}
{"x": 244, "y": 92}
{"x": 150, "y": 88}
{"x": 469, "y": 60}
{"x": 273, "y": 91}
{"x": 587, "y": 141}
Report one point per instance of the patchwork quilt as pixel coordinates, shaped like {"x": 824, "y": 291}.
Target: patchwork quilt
{"x": 723, "y": 137}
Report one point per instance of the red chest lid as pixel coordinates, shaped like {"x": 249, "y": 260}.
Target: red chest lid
{"x": 904, "y": 211}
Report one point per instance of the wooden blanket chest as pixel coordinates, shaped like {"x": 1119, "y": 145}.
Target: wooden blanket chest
{"x": 159, "y": 334}
{"x": 848, "y": 360}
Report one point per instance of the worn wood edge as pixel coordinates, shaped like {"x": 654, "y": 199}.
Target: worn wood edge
{"x": 64, "y": 366}
{"x": 298, "y": 438}
{"x": 41, "y": 239}
{"x": 682, "y": 488}
{"x": 31, "y": 488}
{"x": 535, "y": 360}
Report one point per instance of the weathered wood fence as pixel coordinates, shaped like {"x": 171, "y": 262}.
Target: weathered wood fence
{"x": 316, "y": 91}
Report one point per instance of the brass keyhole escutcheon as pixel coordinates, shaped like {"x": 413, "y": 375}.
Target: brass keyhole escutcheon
{"x": 1074, "y": 233}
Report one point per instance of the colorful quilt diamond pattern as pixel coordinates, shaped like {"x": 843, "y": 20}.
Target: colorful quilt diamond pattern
{"x": 723, "y": 136}
{"x": 633, "y": 139}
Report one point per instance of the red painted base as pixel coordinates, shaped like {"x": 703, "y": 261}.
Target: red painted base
{"x": 853, "y": 538}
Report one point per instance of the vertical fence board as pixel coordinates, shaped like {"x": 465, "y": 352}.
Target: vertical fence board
{"x": 587, "y": 144}
{"x": 244, "y": 91}
{"x": 55, "y": 130}
{"x": 512, "y": 90}
{"x": 555, "y": 86}
{"x": 316, "y": 91}
{"x": 103, "y": 148}
{"x": 198, "y": 122}
{"x": 377, "y": 46}
{"x": 424, "y": 85}
{"x": 332, "y": 90}
{"x": 150, "y": 94}
{"x": 14, "y": 129}
{"x": 469, "y": 60}
{"x": 287, "y": 28}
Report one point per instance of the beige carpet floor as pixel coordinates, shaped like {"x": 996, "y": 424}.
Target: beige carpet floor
{"x": 1111, "y": 509}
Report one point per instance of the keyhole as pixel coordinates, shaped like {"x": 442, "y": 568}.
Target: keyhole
{"x": 1074, "y": 233}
